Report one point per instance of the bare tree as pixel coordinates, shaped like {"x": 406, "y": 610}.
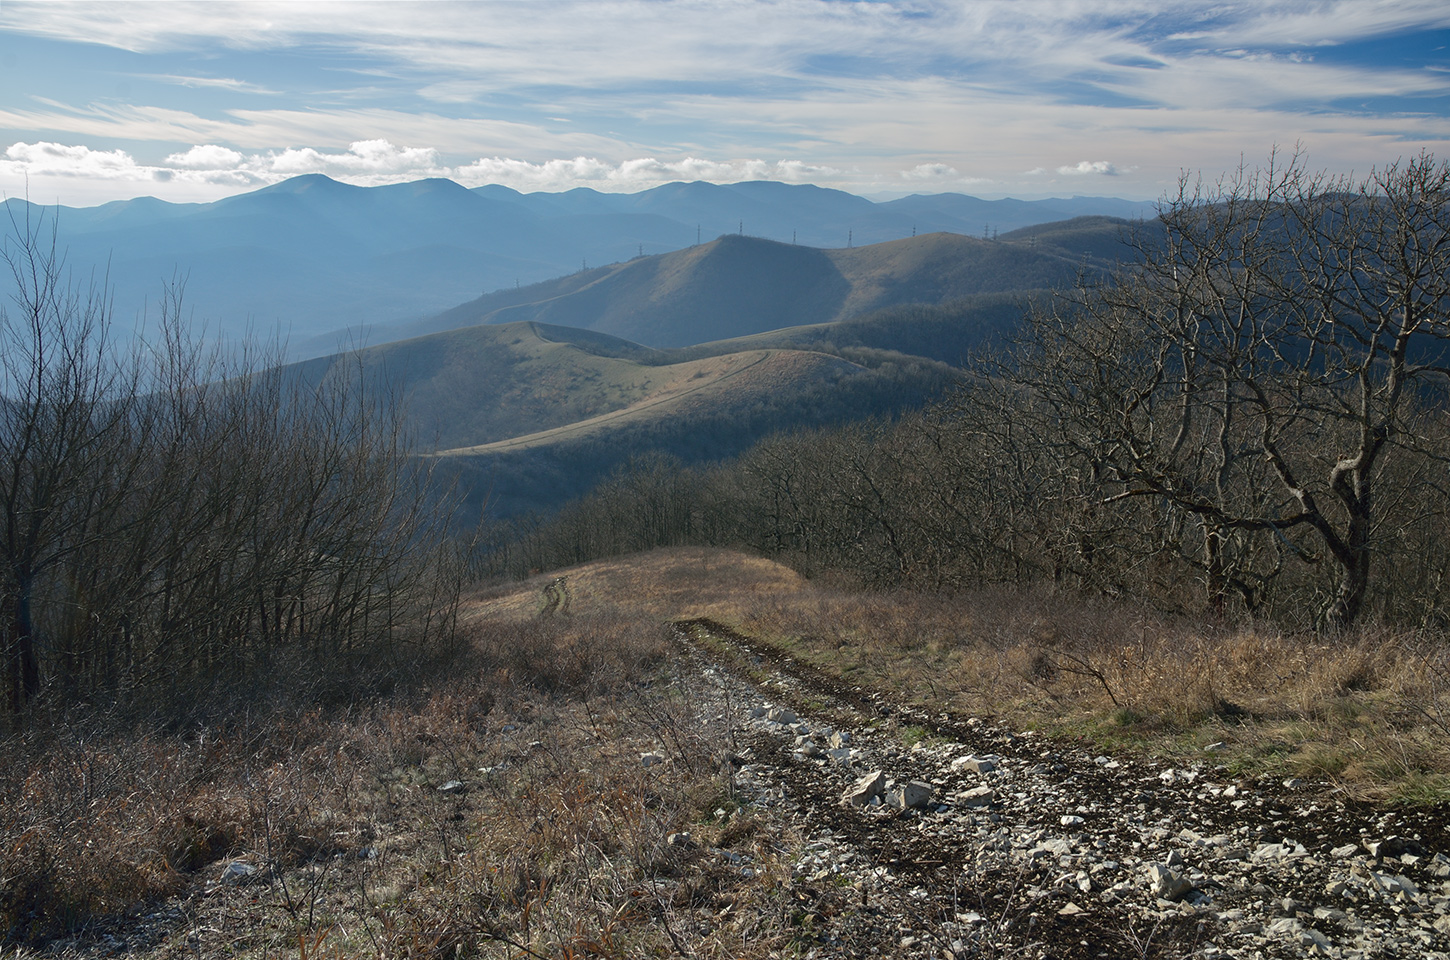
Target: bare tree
{"x": 171, "y": 514}
{"x": 64, "y": 410}
{"x": 1250, "y": 380}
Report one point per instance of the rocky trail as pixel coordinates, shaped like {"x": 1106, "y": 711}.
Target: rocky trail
{"x": 942, "y": 836}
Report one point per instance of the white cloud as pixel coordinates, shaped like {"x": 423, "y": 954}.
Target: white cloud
{"x": 469, "y": 52}
{"x": 366, "y": 161}
{"x": 931, "y": 171}
{"x": 635, "y": 174}
{"x": 47, "y": 159}
{"x": 206, "y": 157}
{"x": 362, "y": 158}
{"x": 866, "y": 96}
{"x": 371, "y": 162}
{"x": 1087, "y": 167}
{"x": 219, "y": 83}
{"x": 798, "y": 171}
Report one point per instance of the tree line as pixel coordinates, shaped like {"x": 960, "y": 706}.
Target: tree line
{"x": 1248, "y": 419}
{"x": 175, "y": 517}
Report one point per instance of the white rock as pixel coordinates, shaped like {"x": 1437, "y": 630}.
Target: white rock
{"x": 1288, "y": 850}
{"x": 238, "y": 872}
{"x": 1396, "y": 885}
{"x": 1167, "y": 883}
{"x": 973, "y": 764}
{"x": 913, "y": 795}
{"x": 1292, "y": 930}
{"x": 976, "y": 797}
{"x": 866, "y": 790}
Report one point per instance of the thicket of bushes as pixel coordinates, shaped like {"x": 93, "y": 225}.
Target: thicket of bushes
{"x": 174, "y": 518}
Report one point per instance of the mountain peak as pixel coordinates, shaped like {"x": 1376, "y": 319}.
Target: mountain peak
{"x": 309, "y": 183}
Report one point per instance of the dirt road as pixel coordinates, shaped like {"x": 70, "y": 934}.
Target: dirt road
{"x": 1011, "y": 845}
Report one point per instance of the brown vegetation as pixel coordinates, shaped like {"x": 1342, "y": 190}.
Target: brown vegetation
{"x": 493, "y": 802}
{"x": 556, "y": 839}
{"x": 1151, "y": 560}
{"x": 1366, "y": 709}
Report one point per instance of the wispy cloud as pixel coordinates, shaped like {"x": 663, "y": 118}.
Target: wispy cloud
{"x": 877, "y": 95}
{"x": 467, "y": 52}
{"x": 218, "y": 83}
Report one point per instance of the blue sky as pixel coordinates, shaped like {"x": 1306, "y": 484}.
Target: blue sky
{"x": 194, "y": 101}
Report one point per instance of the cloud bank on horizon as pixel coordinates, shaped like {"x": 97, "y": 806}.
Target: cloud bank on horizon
{"x": 194, "y": 101}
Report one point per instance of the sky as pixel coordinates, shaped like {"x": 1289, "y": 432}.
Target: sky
{"x": 193, "y": 101}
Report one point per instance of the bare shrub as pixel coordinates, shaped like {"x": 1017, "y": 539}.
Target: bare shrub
{"x": 175, "y": 519}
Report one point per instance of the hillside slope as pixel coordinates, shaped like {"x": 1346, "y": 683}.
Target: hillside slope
{"x": 482, "y": 384}
{"x": 737, "y": 286}
{"x": 491, "y": 388}
{"x": 690, "y": 390}
{"x": 527, "y": 415}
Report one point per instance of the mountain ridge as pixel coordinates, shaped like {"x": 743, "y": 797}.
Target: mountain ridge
{"x": 311, "y": 256}
{"x": 736, "y": 286}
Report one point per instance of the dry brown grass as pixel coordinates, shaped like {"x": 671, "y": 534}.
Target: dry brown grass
{"x": 559, "y": 842}
{"x": 1368, "y": 711}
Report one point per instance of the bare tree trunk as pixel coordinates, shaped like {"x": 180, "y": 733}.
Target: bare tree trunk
{"x": 23, "y": 669}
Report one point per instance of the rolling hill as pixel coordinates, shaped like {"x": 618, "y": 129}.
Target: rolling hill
{"x": 737, "y": 286}
{"x": 536, "y": 393}
{"x": 500, "y": 387}
{"x": 529, "y": 414}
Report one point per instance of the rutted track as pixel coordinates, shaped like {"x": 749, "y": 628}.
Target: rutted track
{"x": 1058, "y": 863}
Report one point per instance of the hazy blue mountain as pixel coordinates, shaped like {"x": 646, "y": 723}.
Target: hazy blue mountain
{"x": 312, "y": 257}
{"x": 739, "y": 286}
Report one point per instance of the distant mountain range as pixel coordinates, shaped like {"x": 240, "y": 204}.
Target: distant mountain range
{"x": 313, "y": 257}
